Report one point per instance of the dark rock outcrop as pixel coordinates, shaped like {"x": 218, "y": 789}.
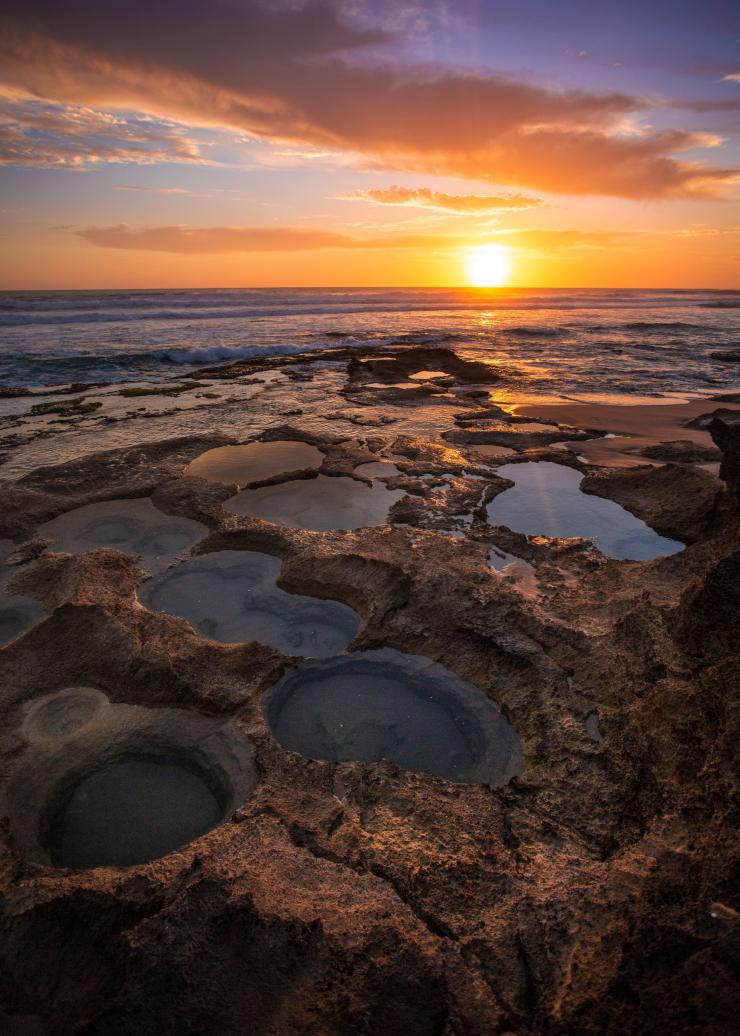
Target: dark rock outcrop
{"x": 682, "y": 451}
{"x": 408, "y": 361}
{"x": 727, "y": 436}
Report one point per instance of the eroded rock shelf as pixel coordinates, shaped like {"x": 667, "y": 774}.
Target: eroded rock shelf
{"x": 408, "y": 765}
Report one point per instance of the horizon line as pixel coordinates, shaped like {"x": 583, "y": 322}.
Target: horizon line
{"x": 381, "y": 287}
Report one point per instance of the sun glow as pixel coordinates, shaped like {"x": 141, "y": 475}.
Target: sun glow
{"x": 488, "y": 266}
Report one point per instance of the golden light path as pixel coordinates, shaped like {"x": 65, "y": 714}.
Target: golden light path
{"x": 488, "y": 266}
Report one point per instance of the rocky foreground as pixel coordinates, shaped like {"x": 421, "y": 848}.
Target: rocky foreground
{"x": 592, "y": 894}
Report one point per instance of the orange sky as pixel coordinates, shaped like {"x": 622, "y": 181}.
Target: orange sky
{"x": 146, "y": 145}
{"x": 61, "y": 260}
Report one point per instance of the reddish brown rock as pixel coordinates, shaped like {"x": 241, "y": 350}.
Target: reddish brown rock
{"x": 594, "y": 894}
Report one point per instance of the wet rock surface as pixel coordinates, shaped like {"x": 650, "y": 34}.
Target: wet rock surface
{"x": 594, "y": 892}
{"x": 517, "y": 435}
{"x": 420, "y": 363}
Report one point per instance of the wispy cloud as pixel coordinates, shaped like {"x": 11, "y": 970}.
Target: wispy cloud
{"x": 425, "y": 198}
{"x": 143, "y": 189}
{"x": 223, "y": 240}
{"x": 36, "y": 133}
{"x": 699, "y": 230}
{"x": 215, "y": 240}
{"x": 283, "y": 74}
{"x": 733, "y": 77}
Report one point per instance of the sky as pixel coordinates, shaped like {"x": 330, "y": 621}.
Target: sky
{"x": 236, "y": 143}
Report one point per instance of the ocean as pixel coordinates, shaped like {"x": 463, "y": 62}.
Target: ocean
{"x": 566, "y": 341}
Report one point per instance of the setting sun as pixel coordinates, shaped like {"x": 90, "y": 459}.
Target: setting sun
{"x": 488, "y": 266}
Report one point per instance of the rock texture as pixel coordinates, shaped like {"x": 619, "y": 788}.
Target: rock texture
{"x": 47, "y": 492}
{"x": 592, "y": 895}
{"x": 727, "y": 437}
{"x": 682, "y": 451}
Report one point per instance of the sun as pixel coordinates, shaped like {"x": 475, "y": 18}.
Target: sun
{"x": 488, "y": 266}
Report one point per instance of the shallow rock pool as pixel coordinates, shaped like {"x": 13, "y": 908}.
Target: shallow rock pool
{"x": 385, "y": 705}
{"x": 254, "y": 462}
{"x": 546, "y": 500}
{"x": 320, "y": 503}
{"x": 231, "y": 596}
{"x": 134, "y": 527}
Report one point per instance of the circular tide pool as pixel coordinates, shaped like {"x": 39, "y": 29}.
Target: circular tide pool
{"x": 104, "y": 784}
{"x": 384, "y": 705}
{"x": 131, "y": 811}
